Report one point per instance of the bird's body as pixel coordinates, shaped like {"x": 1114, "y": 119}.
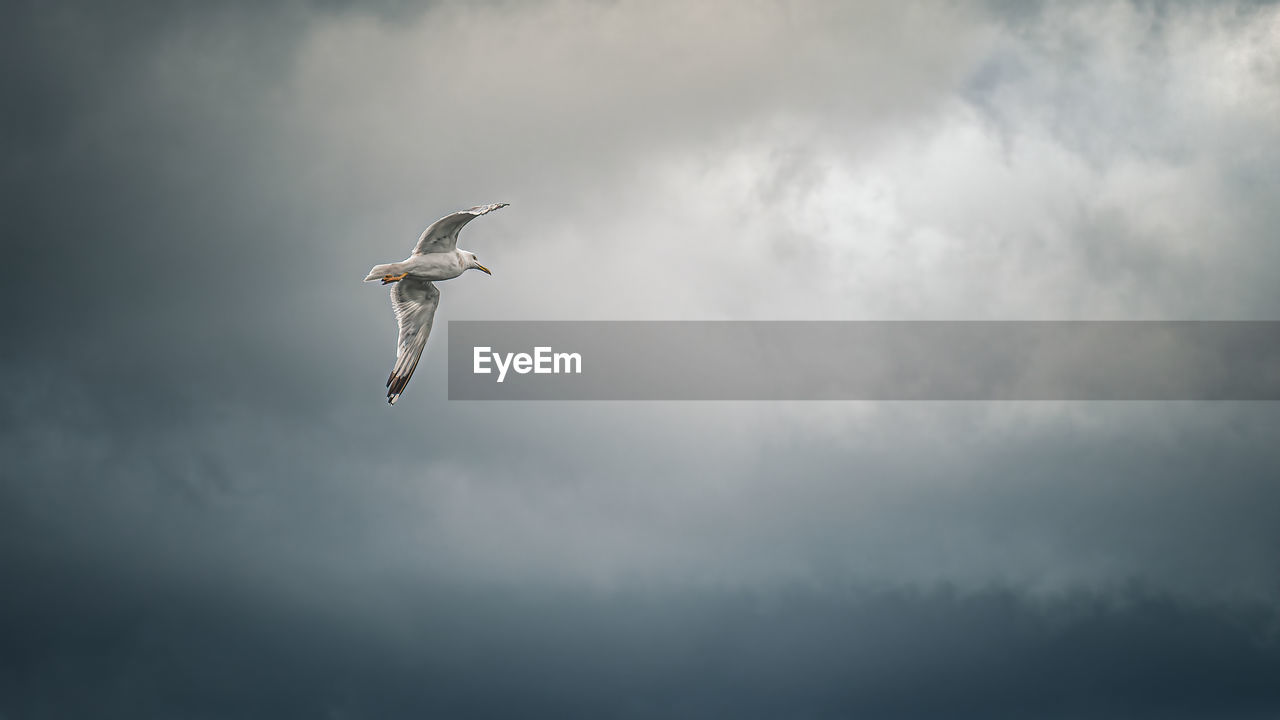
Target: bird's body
{"x": 414, "y": 297}
{"x": 432, "y": 267}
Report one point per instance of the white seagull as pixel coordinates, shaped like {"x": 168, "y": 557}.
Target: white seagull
{"x": 414, "y": 297}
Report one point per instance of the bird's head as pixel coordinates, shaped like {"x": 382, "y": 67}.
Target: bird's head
{"x": 469, "y": 261}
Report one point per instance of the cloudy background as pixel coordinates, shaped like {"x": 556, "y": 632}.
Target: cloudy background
{"x": 207, "y": 510}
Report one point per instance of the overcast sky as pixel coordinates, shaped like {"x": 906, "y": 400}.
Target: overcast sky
{"x": 208, "y": 510}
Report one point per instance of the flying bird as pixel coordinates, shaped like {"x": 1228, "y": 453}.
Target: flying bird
{"x": 414, "y": 296}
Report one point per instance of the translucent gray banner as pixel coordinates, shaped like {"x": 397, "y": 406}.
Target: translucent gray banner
{"x": 604, "y": 360}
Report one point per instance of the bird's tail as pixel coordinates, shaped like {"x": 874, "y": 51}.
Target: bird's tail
{"x": 380, "y": 271}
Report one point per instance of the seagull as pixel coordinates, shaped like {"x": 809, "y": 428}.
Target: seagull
{"x": 414, "y": 296}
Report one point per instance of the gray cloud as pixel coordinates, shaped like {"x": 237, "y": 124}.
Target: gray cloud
{"x": 207, "y": 510}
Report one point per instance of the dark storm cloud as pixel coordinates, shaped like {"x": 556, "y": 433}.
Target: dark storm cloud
{"x": 497, "y": 652}
{"x": 207, "y": 510}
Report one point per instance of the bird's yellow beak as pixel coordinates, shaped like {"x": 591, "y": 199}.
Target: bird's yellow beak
{"x": 483, "y": 269}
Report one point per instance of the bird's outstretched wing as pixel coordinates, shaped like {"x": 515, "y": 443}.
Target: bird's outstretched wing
{"x": 442, "y": 236}
{"x": 414, "y": 302}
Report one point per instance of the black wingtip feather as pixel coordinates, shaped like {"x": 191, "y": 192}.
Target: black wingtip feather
{"x": 397, "y": 383}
